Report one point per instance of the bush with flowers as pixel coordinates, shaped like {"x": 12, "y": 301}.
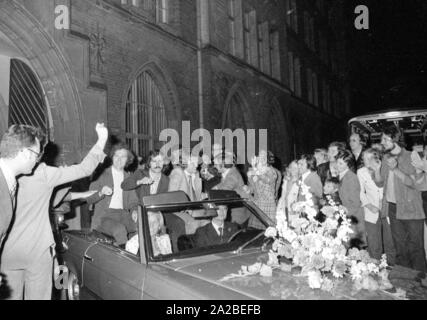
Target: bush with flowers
{"x": 320, "y": 249}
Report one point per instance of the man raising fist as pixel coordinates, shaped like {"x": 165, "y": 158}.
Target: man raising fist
{"x": 27, "y": 259}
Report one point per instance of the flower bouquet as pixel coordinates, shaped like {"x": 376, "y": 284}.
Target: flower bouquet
{"x": 319, "y": 251}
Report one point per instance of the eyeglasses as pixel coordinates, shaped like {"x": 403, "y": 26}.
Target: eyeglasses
{"x": 39, "y": 155}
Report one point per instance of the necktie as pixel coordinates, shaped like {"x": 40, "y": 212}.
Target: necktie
{"x": 220, "y": 232}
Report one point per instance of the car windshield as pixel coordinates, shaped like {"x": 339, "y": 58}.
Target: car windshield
{"x": 183, "y": 231}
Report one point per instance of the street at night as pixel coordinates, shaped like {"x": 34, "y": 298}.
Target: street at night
{"x": 213, "y": 151}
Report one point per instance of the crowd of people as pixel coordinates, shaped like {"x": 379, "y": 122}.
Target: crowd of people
{"x": 381, "y": 186}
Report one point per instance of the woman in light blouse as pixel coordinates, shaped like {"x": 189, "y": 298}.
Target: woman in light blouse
{"x": 376, "y": 222}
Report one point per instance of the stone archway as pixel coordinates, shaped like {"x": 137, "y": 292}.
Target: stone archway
{"x": 167, "y": 88}
{"x": 37, "y": 47}
{"x": 238, "y": 96}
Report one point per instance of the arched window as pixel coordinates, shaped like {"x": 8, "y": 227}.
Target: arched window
{"x": 145, "y": 115}
{"x": 234, "y": 117}
{"x": 27, "y": 104}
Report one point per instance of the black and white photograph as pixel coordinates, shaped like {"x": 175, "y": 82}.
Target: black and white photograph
{"x": 214, "y": 155}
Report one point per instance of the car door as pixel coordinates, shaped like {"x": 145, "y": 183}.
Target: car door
{"x": 111, "y": 273}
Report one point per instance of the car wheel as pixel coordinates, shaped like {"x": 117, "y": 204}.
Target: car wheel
{"x": 73, "y": 287}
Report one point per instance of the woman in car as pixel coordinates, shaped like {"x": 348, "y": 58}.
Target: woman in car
{"x": 160, "y": 240}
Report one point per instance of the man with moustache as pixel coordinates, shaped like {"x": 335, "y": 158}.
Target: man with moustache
{"x": 402, "y": 202}
{"x": 151, "y": 181}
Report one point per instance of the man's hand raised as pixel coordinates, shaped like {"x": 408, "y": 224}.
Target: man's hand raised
{"x": 102, "y": 133}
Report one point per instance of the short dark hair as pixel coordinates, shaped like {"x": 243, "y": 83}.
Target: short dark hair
{"x": 341, "y": 146}
{"x": 311, "y": 161}
{"x": 334, "y": 181}
{"x": 348, "y": 158}
{"x": 226, "y": 156}
{"x": 362, "y": 138}
{"x": 392, "y": 132}
{"x": 153, "y": 154}
{"x": 19, "y": 137}
{"x": 122, "y": 146}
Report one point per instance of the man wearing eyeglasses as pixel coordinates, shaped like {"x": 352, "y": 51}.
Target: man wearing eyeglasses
{"x": 27, "y": 259}
{"x": 19, "y": 149}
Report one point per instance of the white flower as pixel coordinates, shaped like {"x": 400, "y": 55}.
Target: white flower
{"x": 266, "y": 271}
{"x": 255, "y": 268}
{"x": 272, "y": 259}
{"x": 373, "y": 268}
{"x": 271, "y": 232}
{"x": 315, "y": 279}
{"x": 383, "y": 263}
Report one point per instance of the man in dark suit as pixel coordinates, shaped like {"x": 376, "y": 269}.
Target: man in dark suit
{"x": 325, "y": 170}
{"x": 20, "y": 151}
{"x": 148, "y": 182}
{"x": 217, "y": 232}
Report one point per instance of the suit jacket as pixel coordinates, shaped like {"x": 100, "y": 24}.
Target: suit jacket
{"x": 178, "y": 182}
{"x": 324, "y": 172}
{"x": 233, "y": 181}
{"x": 313, "y": 181}
{"x": 31, "y": 234}
{"x": 207, "y": 235}
{"x": 144, "y": 190}
{"x": 130, "y": 199}
{"x": 409, "y": 204}
{"x": 6, "y": 213}
{"x": 349, "y": 192}
{"x": 359, "y": 162}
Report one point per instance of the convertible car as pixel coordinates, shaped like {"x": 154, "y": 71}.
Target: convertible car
{"x": 175, "y": 265}
{"x": 164, "y": 262}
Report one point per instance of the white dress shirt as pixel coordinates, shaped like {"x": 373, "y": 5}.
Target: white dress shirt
{"x": 117, "y": 198}
{"x": 216, "y": 227}
{"x": 154, "y": 186}
{"x": 8, "y": 175}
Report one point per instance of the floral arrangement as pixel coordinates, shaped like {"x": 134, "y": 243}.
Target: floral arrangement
{"x": 319, "y": 250}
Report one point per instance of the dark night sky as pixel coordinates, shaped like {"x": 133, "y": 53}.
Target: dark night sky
{"x": 388, "y": 63}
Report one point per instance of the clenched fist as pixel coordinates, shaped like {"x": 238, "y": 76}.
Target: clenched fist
{"x": 102, "y": 131}
{"x": 106, "y": 191}
{"x": 145, "y": 181}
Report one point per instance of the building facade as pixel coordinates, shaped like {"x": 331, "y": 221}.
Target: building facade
{"x": 145, "y": 65}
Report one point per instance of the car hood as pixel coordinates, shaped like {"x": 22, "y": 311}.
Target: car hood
{"x": 282, "y": 285}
